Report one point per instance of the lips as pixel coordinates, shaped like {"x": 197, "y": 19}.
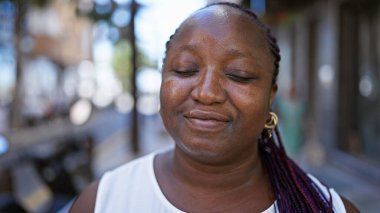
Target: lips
{"x": 206, "y": 120}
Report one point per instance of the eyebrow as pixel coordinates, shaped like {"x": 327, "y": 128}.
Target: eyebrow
{"x": 189, "y": 47}
{"x": 236, "y": 53}
{"x": 233, "y": 52}
{"x": 230, "y": 51}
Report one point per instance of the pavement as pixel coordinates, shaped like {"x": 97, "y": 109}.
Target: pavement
{"x": 115, "y": 149}
{"x": 365, "y": 195}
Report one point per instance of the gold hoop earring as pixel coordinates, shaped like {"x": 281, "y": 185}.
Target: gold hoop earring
{"x": 271, "y": 123}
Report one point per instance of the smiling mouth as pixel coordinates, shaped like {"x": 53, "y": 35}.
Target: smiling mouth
{"x": 206, "y": 120}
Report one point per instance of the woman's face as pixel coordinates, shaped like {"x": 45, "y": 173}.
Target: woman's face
{"x": 217, "y": 85}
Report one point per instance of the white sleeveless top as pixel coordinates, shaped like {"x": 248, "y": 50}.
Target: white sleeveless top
{"x": 133, "y": 187}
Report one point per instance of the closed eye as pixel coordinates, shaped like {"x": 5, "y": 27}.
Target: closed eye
{"x": 240, "y": 79}
{"x": 185, "y": 73}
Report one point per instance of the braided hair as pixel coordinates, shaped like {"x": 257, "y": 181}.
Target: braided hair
{"x": 293, "y": 188}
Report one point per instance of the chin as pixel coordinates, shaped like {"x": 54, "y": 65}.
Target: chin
{"x": 205, "y": 151}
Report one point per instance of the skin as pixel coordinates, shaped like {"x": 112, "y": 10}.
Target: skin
{"x": 213, "y": 68}
{"x": 216, "y": 94}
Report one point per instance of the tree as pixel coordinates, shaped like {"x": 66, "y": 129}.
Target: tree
{"x": 123, "y": 67}
{"x": 22, "y": 7}
{"x": 130, "y": 53}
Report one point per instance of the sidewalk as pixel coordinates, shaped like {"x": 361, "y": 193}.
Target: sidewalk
{"x": 364, "y": 195}
{"x": 112, "y": 148}
{"x": 115, "y": 151}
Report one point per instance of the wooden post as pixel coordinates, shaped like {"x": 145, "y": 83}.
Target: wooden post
{"x": 135, "y": 123}
{"x": 15, "y": 119}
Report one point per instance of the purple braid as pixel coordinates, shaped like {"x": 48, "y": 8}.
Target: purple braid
{"x": 293, "y": 189}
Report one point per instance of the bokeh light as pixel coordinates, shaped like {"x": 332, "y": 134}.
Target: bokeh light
{"x": 80, "y": 112}
{"x": 4, "y": 145}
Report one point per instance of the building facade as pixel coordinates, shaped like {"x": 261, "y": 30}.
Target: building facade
{"x": 331, "y": 53}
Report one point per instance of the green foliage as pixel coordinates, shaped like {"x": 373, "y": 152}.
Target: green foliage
{"x": 95, "y": 16}
{"x": 39, "y": 3}
{"x": 122, "y": 57}
{"x": 121, "y": 63}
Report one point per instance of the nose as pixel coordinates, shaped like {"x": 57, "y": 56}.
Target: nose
{"x": 209, "y": 89}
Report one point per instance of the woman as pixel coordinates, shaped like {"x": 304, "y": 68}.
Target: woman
{"x": 219, "y": 82}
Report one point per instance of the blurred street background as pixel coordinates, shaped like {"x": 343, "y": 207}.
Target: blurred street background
{"x": 79, "y": 85}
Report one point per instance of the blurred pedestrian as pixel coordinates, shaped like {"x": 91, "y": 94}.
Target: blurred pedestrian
{"x": 291, "y": 110}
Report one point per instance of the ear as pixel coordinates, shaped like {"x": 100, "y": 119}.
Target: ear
{"x": 272, "y": 94}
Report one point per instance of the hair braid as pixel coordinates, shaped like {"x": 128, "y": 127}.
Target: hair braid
{"x": 294, "y": 190}
{"x": 289, "y": 182}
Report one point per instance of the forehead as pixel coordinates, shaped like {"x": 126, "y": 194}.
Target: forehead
{"x": 230, "y": 27}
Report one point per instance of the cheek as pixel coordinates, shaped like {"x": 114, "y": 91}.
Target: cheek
{"x": 173, "y": 92}
{"x": 250, "y": 98}
{"x": 253, "y": 105}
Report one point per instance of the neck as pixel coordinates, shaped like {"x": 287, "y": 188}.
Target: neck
{"x": 245, "y": 170}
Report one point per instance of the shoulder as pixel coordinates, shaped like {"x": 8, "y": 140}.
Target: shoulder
{"x": 85, "y": 202}
{"x": 340, "y": 203}
{"x": 132, "y": 168}
{"x": 350, "y": 207}
{"x": 112, "y": 184}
